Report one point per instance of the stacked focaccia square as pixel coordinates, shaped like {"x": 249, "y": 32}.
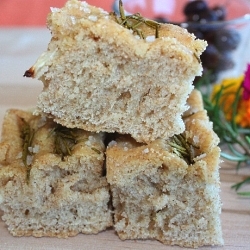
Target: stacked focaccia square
{"x": 157, "y": 178}
{"x": 52, "y": 179}
{"x": 168, "y": 189}
{"x": 99, "y": 76}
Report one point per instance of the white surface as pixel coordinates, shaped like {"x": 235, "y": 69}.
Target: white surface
{"x": 19, "y": 49}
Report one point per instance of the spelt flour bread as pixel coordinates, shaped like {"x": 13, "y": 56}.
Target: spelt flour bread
{"x": 51, "y": 178}
{"x": 100, "y": 76}
{"x": 160, "y": 192}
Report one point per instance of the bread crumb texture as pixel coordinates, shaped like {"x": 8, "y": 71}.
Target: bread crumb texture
{"x": 158, "y": 195}
{"x": 99, "y": 76}
{"x": 146, "y": 191}
{"x": 59, "y": 197}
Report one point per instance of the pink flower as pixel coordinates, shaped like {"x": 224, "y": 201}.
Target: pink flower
{"x": 246, "y": 84}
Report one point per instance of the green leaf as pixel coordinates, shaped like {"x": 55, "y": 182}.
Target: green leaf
{"x": 234, "y": 158}
{"x": 244, "y": 193}
{"x": 235, "y": 139}
{"x": 238, "y": 185}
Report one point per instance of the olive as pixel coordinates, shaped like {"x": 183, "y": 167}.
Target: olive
{"x": 161, "y": 19}
{"x": 203, "y": 17}
{"x": 227, "y": 39}
{"x": 220, "y": 12}
{"x": 196, "y": 32}
{"x": 225, "y": 62}
{"x": 195, "y": 7}
{"x": 210, "y": 57}
{"x": 205, "y": 23}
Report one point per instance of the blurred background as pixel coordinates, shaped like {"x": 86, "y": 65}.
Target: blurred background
{"x": 34, "y": 12}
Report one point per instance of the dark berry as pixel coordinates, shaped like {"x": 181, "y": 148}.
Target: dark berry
{"x": 196, "y": 32}
{"x": 195, "y": 7}
{"x": 161, "y": 19}
{"x": 220, "y": 12}
{"x": 209, "y": 35}
{"x": 193, "y": 18}
{"x": 207, "y": 23}
{"x": 227, "y": 39}
{"x": 210, "y": 58}
{"x": 225, "y": 62}
{"x": 207, "y": 16}
{"x": 204, "y": 21}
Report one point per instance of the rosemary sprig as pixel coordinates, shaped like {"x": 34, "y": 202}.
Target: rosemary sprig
{"x": 132, "y": 22}
{"x": 27, "y": 135}
{"x": 65, "y": 140}
{"x": 235, "y": 139}
{"x": 182, "y": 148}
{"x": 96, "y": 150}
{"x": 238, "y": 185}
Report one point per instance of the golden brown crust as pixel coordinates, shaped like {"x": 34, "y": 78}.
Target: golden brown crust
{"x": 180, "y": 34}
{"x": 11, "y": 141}
{"x": 195, "y": 103}
{"x": 51, "y": 195}
{"x": 158, "y": 195}
{"x": 29, "y": 73}
{"x": 99, "y": 76}
{"x": 200, "y": 129}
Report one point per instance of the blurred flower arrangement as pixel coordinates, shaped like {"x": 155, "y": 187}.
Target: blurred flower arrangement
{"x": 228, "y": 107}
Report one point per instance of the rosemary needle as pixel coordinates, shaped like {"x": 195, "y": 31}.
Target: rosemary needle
{"x": 235, "y": 139}
{"x": 132, "y": 22}
{"x": 27, "y": 135}
{"x": 65, "y": 139}
{"x": 182, "y": 148}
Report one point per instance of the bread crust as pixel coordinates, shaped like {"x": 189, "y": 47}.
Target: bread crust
{"x": 51, "y": 196}
{"x": 158, "y": 195}
{"x": 99, "y": 76}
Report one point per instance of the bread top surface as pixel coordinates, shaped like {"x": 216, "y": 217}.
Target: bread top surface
{"x": 78, "y": 16}
{"x": 42, "y": 148}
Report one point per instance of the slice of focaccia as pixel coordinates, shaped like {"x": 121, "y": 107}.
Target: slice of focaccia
{"x": 168, "y": 189}
{"x": 52, "y": 179}
{"x": 101, "y": 76}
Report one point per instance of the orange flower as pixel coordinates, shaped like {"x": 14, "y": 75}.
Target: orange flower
{"x": 243, "y": 113}
{"x": 226, "y": 93}
{"x": 228, "y": 88}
